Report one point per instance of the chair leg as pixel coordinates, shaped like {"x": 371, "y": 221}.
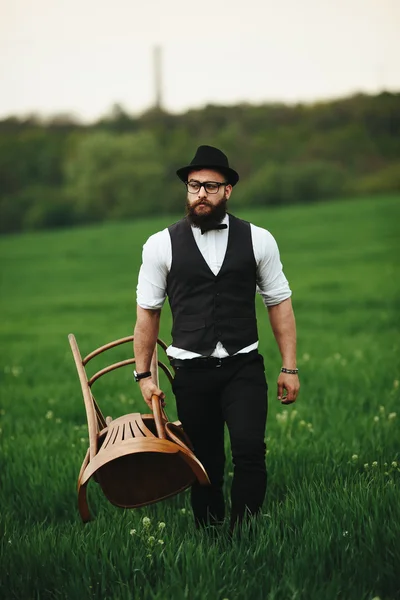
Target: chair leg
{"x": 82, "y": 503}
{"x": 82, "y": 492}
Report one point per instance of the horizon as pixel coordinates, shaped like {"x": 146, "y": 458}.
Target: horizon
{"x": 46, "y": 119}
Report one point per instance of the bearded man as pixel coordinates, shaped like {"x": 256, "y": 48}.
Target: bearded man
{"x": 210, "y": 265}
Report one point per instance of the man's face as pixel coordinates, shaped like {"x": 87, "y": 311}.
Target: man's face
{"x": 203, "y": 205}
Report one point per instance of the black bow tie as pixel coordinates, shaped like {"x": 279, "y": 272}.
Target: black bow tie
{"x": 213, "y": 226}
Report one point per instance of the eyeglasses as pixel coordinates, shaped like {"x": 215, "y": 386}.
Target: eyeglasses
{"x": 211, "y": 187}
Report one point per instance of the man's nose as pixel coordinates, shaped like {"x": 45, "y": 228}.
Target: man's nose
{"x": 202, "y": 192}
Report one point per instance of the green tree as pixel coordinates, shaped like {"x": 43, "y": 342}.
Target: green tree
{"x": 115, "y": 176}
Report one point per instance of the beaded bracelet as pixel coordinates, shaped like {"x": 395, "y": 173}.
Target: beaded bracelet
{"x": 289, "y": 371}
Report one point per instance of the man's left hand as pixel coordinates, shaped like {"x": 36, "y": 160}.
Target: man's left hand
{"x": 288, "y": 388}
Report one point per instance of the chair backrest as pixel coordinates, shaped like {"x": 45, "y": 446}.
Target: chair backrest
{"x": 130, "y": 361}
{"x": 95, "y": 418}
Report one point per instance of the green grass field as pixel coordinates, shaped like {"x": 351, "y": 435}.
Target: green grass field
{"x": 330, "y": 527}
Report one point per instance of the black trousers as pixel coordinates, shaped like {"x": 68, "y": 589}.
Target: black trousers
{"x": 234, "y": 393}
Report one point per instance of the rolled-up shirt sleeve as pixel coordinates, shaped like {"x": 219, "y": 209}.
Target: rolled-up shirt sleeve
{"x": 156, "y": 263}
{"x": 271, "y": 281}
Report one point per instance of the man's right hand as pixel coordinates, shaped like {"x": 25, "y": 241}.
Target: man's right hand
{"x": 148, "y": 388}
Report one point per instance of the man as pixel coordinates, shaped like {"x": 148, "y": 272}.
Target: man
{"x": 209, "y": 265}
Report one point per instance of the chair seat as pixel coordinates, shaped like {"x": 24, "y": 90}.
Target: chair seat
{"x": 149, "y": 473}
{"x": 135, "y": 468}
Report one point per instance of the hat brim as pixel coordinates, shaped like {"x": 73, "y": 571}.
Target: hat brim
{"x": 231, "y": 175}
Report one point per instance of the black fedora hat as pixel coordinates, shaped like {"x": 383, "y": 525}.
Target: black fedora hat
{"x": 208, "y": 157}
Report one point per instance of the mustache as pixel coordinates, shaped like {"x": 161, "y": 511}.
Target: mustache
{"x": 199, "y": 202}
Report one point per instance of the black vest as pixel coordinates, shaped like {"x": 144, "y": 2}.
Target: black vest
{"x": 208, "y": 308}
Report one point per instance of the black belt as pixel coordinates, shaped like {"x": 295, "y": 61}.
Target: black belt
{"x": 210, "y": 362}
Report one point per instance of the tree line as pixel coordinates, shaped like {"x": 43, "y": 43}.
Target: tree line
{"x": 58, "y": 172}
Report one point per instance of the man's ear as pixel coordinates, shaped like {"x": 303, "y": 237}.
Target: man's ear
{"x": 228, "y": 190}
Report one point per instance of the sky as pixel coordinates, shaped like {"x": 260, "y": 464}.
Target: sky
{"x": 82, "y": 56}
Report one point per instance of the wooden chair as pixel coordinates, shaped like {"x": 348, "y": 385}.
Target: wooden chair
{"x": 137, "y": 459}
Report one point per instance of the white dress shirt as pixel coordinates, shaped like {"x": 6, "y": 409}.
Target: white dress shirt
{"x": 157, "y": 259}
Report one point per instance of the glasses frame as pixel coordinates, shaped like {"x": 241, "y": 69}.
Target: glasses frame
{"x": 205, "y": 184}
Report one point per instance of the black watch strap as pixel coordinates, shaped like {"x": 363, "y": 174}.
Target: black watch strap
{"x": 139, "y": 376}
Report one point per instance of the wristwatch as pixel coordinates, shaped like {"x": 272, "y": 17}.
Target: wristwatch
{"x": 139, "y": 376}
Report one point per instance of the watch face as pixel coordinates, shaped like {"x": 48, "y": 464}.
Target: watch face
{"x": 139, "y": 376}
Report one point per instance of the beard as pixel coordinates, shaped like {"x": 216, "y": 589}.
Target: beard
{"x": 214, "y": 216}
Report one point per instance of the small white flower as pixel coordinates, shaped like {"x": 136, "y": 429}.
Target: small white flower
{"x": 375, "y": 464}
{"x": 146, "y": 522}
{"x": 354, "y": 457}
{"x": 392, "y": 415}
{"x": 161, "y": 526}
{"x": 381, "y": 409}
{"x": 183, "y": 511}
{"x": 394, "y": 464}
{"x": 161, "y": 542}
{"x": 345, "y": 533}
{"x": 282, "y": 417}
{"x": 151, "y": 540}
{"x": 376, "y": 419}
{"x": 49, "y": 414}
{"x": 132, "y": 532}
{"x": 302, "y": 423}
{"x": 366, "y": 465}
